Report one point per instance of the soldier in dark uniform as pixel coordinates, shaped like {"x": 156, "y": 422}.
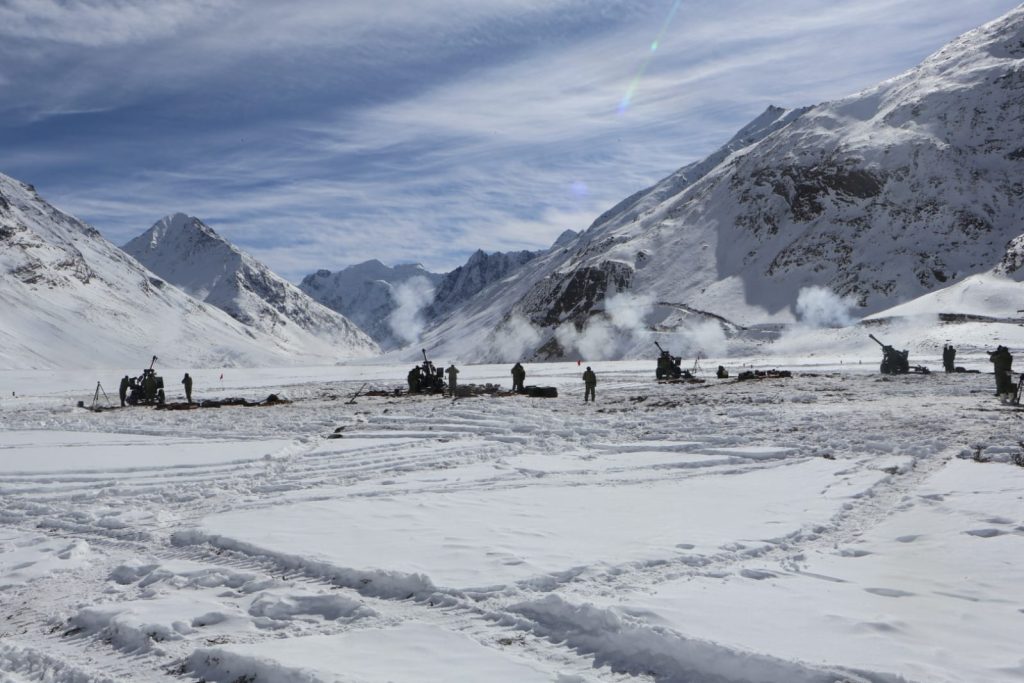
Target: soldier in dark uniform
{"x": 949, "y": 358}
{"x": 590, "y": 381}
{"x": 149, "y": 386}
{"x": 453, "y": 379}
{"x": 1002, "y": 361}
{"x": 722, "y": 373}
{"x": 187, "y": 381}
{"x": 518, "y": 377}
{"x": 414, "y": 380}
{"x": 123, "y": 389}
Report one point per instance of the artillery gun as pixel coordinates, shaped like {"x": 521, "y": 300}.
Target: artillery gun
{"x": 897, "y": 362}
{"x": 431, "y": 378}
{"x": 147, "y": 388}
{"x": 668, "y": 365}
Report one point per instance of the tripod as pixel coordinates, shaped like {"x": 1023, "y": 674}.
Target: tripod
{"x": 696, "y": 365}
{"x": 96, "y": 397}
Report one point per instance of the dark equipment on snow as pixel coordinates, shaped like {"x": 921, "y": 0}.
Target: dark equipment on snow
{"x": 352, "y": 400}
{"x": 747, "y": 375}
{"x": 893, "y": 362}
{"x": 668, "y": 366}
{"x": 431, "y": 378}
{"x": 540, "y": 392}
{"x": 147, "y": 388}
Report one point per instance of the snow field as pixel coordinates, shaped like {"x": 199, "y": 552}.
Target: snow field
{"x": 810, "y": 529}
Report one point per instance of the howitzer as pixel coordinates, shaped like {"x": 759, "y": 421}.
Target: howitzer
{"x": 668, "y": 365}
{"x": 431, "y": 378}
{"x": 893, "y": 362}
{"x": 147, "y": 388}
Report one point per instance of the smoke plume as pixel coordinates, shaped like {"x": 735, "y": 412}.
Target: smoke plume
{"x": 821, "y": 307}
{"x": 412, "y": 296}
{"x": 612, "y": 335}
{"x": 514, "y": 339}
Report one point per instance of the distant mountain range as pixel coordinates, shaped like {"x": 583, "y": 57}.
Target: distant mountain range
{"x": 70, "y": 298}
{"x": 370, "y": 293}
{"x": 904, "y": 199}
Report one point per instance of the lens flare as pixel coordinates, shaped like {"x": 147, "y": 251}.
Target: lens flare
{"x": 627, "y": 99}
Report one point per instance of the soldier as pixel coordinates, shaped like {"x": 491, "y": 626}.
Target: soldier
{"x": 453, "y": 379}
{"x": 187, "y": 381}
{"x": 1003, "y": 362}
{"x": 948, "y": 358}
{"x": 123, "y": 389}
{"x": 590, "y": 381}
{"x": 149, "y": 386}
{"x": 722, "y": 373}
{"x": 518, "y": 377}
{"x": 414, "y": 380}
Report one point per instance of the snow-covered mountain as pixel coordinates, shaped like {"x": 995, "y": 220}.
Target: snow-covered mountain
{"x": 881, "y": 197}
{"x": 71, "y": 299}
{"x": 371, "y": 293}
{"x": 189, "y": 254}
{"x": 366, "y": 293}
{"x": 481, "y": 270}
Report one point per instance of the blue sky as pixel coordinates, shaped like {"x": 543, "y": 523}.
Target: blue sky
{"x": 321, "y": 133}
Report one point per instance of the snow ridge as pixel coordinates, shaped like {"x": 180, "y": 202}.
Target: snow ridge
{"x": 186, "y": 252}
{"x": 72, "y": 299}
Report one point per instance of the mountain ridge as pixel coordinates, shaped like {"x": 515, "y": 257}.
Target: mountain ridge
{"x": 191, "y": 255}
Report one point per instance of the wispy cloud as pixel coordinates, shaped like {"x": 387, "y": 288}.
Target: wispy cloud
{"x": 319, "y": 134}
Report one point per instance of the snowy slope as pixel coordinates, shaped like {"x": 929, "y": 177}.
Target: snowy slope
{"x": 189, "y": 254}
{"x": 821, "y": 528}
{"x": 883, "y": 196}
{"x": 70, "y": 298}
{"x": 366, "y": 293}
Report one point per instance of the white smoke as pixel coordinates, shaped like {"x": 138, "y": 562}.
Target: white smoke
{"x": 821, "y": 307}
{"x": 412, "y": 296}
{"x": 629, "y": 312}
{"x": 597, "y": 340}
{"x": 703, "y": 339}
{"x": 622, "y": 328}
{"x": 514, "y": 339}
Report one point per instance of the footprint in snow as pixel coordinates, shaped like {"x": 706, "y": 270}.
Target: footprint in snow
{"x": 999, "y": 520}
{"x": 910, "y": 538}
{"x": 757, "y": 574}
{"x": 986, "y": 533}
{"x": 889, "y": 592}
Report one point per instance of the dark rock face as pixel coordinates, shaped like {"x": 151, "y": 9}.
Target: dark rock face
{"x": 480, "y": 271}
{"x": 573, "y": 296}
{"x": 1013, "y": 260}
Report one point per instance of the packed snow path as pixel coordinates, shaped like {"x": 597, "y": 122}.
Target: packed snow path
{"x": 835, "y": 525}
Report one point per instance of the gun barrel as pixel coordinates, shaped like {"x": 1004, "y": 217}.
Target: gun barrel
{"x": 659, "y": 347}
{"x": 151, "y": 362}
{"x": 424, "y": 351}
{"x": 876, "y": 341}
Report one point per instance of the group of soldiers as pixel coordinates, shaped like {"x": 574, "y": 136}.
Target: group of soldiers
{"x": 427, "y": 378}
{"x": 1002, "y": 365}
